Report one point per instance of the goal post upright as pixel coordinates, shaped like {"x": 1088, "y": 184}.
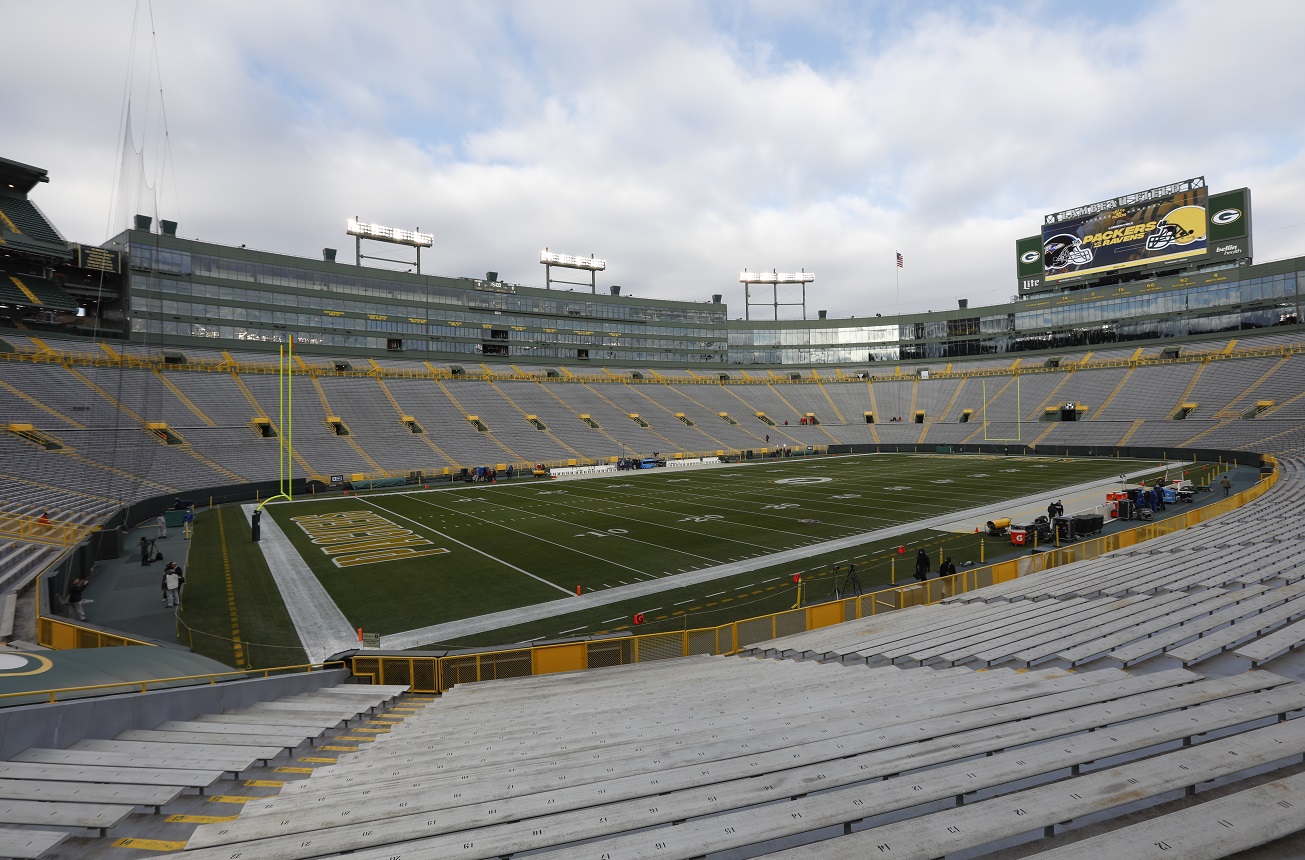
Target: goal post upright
{"x": 1019, "y": 415}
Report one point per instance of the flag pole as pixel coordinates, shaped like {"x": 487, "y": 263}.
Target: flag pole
{"x": 897, "y": 279}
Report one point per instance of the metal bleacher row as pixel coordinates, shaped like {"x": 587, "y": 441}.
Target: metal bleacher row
{"x": 773, "y": 758}
{"x": 141, "y": 779}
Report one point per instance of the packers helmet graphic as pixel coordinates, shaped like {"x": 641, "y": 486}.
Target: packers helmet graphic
{"x": 1182, "y": 226}
{"x": 1065, "y": 250}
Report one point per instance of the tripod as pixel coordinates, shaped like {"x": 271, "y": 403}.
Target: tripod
{"x": 851, "y": 583}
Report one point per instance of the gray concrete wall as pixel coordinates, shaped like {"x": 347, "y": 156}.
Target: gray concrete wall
{"x": 55, "y": 726}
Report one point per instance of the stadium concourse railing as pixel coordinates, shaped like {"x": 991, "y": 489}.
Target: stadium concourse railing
{"x": 435, "y": 674}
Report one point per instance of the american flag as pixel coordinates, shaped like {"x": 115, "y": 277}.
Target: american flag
{"x": 899, "y": 260}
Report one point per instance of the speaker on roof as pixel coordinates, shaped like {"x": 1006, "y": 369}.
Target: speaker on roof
{"x": 616, "y": 289}
{"x": 492, "y": 277}
{"x": 168, "y": 228}
{"x": 328, "y": 254}
{"x": 143, "y": 222}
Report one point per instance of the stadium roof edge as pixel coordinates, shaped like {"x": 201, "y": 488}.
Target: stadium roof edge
{"x": 20, "y": 177}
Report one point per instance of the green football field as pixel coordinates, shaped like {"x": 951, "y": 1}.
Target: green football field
{"x": 400, "y": 561}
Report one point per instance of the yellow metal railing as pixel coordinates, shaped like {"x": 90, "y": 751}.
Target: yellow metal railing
{"x": 34, "y": 530}
{"x": 65, "y": 693}
{"x": 437, "y": 674}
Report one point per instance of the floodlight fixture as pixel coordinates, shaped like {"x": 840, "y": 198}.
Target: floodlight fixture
{"x": 360, "y": 230}
{"x": 566, "y": 261}
{"x": 591, "y": 264}
{"x": 395, "y": 235}
{"x": 774, "y": 278}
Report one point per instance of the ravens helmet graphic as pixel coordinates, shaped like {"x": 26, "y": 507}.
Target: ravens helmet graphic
{"x": 1065, "y": 250}
{"x": 1182, "y": 226}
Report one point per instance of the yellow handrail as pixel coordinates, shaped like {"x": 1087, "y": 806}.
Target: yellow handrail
{"x": 35, "y": 530}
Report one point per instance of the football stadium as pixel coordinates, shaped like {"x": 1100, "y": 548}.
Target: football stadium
{"x": 284, "y": 537}
{"x": 1009, "y": 572}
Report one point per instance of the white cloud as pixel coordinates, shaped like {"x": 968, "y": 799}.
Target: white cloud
{"x": 682, "y": 142}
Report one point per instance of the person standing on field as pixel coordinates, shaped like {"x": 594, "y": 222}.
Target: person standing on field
{"x": 1227, "y": 486}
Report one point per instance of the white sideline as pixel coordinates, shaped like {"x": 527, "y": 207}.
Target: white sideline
{"x": 322, "y": 628}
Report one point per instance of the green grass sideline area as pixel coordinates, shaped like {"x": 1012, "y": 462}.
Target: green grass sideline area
{"x": 448, "y": 554}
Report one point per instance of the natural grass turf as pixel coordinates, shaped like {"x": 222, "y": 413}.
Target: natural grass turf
{"x": 750, "y": 595}
{"x": 260, "y": 626}
{"x": 530, "y": 541}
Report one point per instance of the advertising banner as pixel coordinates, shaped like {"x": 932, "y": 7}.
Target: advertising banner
{"x": 1158, "y": 225}
{"x": 1230, "y": 225}
{"x": 1028, "y": 263}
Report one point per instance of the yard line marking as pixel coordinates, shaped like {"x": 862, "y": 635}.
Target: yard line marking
{"x": 468, "y": 546}
{"x": 544, "y": 514}
{"x": 717, "y": 594}
{"x": 617, "y": 618}
{"x": 574, "y": 629}
{"x": 681, "y": 603}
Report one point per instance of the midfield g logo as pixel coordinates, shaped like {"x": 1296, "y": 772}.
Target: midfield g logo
{"x": 1182, "y": 226}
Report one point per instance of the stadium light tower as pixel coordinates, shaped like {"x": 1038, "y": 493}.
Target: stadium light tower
{"x": 591, "y": 264}
{"x": 393, "y": 235}
{"x": 774, "y": 278}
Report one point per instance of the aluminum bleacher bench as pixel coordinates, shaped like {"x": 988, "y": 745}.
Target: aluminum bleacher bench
{"x": 971, "y": 825}
{"x": 268, "y": 721}
{"x": 1206, "y": 831}
{"x": 1238, "y": 632}
{"x": 196, "y": 778}
{"x": 93, "y": 816}
{"x": 1055, "y": 614}
{"x": 934, "y": 624}
{"x": 36, "y": 755}
{"x": 1035, "y": 812}
{"x": 154, "y": 750}
{"x": 1003, "y": 618}
{"x": 1274, "y": 645}
{"x": 1201, "y": 603}
{"x": 287, "y": 743}
{"x": 928, "y": 740}
{"x": 28, "y": 844}
{"x": 81, "y": 792}
{"x": 232, "y": 730}
{"x": 1157, "y": 608}
{"x": 1130, "y": 655}
{"x": 1123, "y": 614}
{"x": 624, "y": 801}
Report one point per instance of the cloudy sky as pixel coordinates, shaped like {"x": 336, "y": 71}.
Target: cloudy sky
{"x": 681, "y": 141}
